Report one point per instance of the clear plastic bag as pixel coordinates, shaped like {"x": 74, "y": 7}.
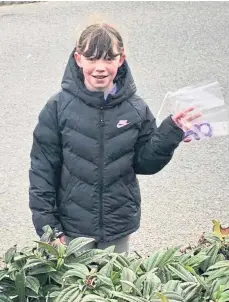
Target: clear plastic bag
{"x": 207, "y": 99}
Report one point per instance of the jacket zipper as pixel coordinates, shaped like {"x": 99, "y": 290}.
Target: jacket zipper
{"x": 101, "y": 170}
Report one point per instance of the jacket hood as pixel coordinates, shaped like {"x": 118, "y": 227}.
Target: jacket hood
{"x": 73, "y": 83}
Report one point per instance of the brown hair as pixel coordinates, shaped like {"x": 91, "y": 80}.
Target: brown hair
{"x": 99, "y": 40}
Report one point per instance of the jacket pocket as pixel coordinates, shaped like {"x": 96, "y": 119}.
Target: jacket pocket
{"x": 135, "y": 193}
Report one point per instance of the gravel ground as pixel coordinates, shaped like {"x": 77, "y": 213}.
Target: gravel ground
{"x": 169, "y": 45}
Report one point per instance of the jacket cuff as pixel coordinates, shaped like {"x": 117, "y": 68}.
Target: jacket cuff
{"x": 58, "y": 233}
{"x": 175, "y": 128}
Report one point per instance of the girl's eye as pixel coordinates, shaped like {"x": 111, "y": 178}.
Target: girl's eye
{"x": 110, "y": 59}
{"x": 90, "y": 59}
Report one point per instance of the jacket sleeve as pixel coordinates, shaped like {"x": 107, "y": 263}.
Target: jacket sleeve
{"x": 155, "y": 146}
{"x": 45, "y": 168}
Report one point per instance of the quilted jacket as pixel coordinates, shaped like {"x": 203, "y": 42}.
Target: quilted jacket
{"x": 86, "y": 153}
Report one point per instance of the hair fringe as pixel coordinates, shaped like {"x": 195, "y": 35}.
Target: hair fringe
{"x": 99, "y": 18}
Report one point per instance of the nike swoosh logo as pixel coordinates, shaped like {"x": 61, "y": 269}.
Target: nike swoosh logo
{"x": 122, "y": 125}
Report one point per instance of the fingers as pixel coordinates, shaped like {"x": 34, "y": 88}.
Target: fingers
{"x": 184, "y": 113}
{"x": 192, "y": 117}
{"x": 189, "y": 109}
{"x": 55, "y": 242}
{"x": 185, "y": 117}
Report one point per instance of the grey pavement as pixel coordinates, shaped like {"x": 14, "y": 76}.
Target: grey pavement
{"x": 169, "y": 45}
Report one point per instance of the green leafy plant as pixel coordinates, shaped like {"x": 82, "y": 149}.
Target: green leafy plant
{"x": 72, "y": 273}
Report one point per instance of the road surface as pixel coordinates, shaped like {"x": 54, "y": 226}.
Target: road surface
{"x": 169, "y": 45}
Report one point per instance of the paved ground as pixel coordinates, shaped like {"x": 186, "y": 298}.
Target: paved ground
{"x": 170, "y": 45}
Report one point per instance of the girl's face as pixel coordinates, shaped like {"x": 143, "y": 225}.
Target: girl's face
{"x": 99, "y": 74}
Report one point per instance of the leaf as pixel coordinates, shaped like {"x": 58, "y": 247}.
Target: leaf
{"x": 28, "y": 251}
{"x": 3, "y": 274}
{"x": 200, "y": 279}
{"x": 173, "y": 285}
{"x": 173, "y": 296}
{"x": 105, "y": 281}
{"x": 218, "y": 265}
{"x": 162, "y": 297}
{"x": 50, "y": 288}
{"x": 9, "y": 255}
{"x": 81, "y": 272}
{"x": 215, "y": 285}
{"x": 54, "y": 294}
{"x": 48, "y": 234}
{"x": 217, "y": 273}
{"x": 57, "y": 276}
{"x": 42, "y": 269}
{"x": 127, "y": 275}
{"x": 34, "y": 262}
{"x": 3, "y": 298}
{"x": 151, "y": 261}
{"x": 102, "y": 291}
{"x": 93, "y": 298}
{"x": 212, "y": 252}
{"x": 151, "y": 285}
{"x": 141, "y": 279}
{"x": 134, "y": 266}
{"x": 20, "y": 257}
{"x": 123, "y": 261}
{"x": 88, "y": 257}
{"x": 164, "y": 274}
{"x": 31, "y": 294}
{"x": 60, "y": 263}
{"x": 107, "y": 269}
{"x": 187, "y": 285}
{"x": 32, "y": 283}
{"x": 61, "y": 250}
{"x": 168, "y": 256}
{"x": 77, "y": 244}
{"x": 79, "y": 266}
{"x": 76, "y": 297}
{"x": 115, "y": 278}
{"x": 52, "y": 250}
{"x": 8, "y": 287}
{"x": 110, "y": 249}
{"x": 181, "y": 272}
{"x": 190, "y": 289}
{"x": 127, "y": 297}
{"x": 43, "y": 279}
{"x": 65, "y": 294}
{"x": 159, "y": 259}
{"x": 194, "y": 293}
{"x": 130, "y": 285}
{"x": 20, "y": 285}
{"x": 224, "y": 297}
{"x": 196, "y": 260}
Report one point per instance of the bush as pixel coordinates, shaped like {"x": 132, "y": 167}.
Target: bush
{"x": 57, "y": 274}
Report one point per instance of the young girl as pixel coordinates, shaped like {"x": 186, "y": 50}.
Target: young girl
{"x": 91, "y": 140}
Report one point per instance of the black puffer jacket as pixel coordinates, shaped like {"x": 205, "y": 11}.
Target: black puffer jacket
{"x": 83, "y": 165}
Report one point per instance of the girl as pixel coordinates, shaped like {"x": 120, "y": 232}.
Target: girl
{"x": 91, "y": 140}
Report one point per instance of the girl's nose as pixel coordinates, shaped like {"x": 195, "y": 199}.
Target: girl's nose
{"x": 99, "y": 66}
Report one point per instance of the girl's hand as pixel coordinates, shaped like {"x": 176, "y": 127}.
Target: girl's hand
{"x": 58, "y": 241}
{"x": 184, "y": 119}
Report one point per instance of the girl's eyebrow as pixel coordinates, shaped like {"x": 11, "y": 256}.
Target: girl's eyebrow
{"x": 104, "y": 56}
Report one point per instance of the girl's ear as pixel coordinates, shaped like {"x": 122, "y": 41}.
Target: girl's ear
{"x": 122, "y": 59}
{"x": 77, "y": 57}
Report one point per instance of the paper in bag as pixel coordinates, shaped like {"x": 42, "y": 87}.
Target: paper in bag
{"x": 207, "y": 99}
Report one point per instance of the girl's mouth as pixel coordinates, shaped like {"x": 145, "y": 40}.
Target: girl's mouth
{"x": 100, "y": 77}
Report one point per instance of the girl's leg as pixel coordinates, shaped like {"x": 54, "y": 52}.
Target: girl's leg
{"x": 121, "y": 245}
